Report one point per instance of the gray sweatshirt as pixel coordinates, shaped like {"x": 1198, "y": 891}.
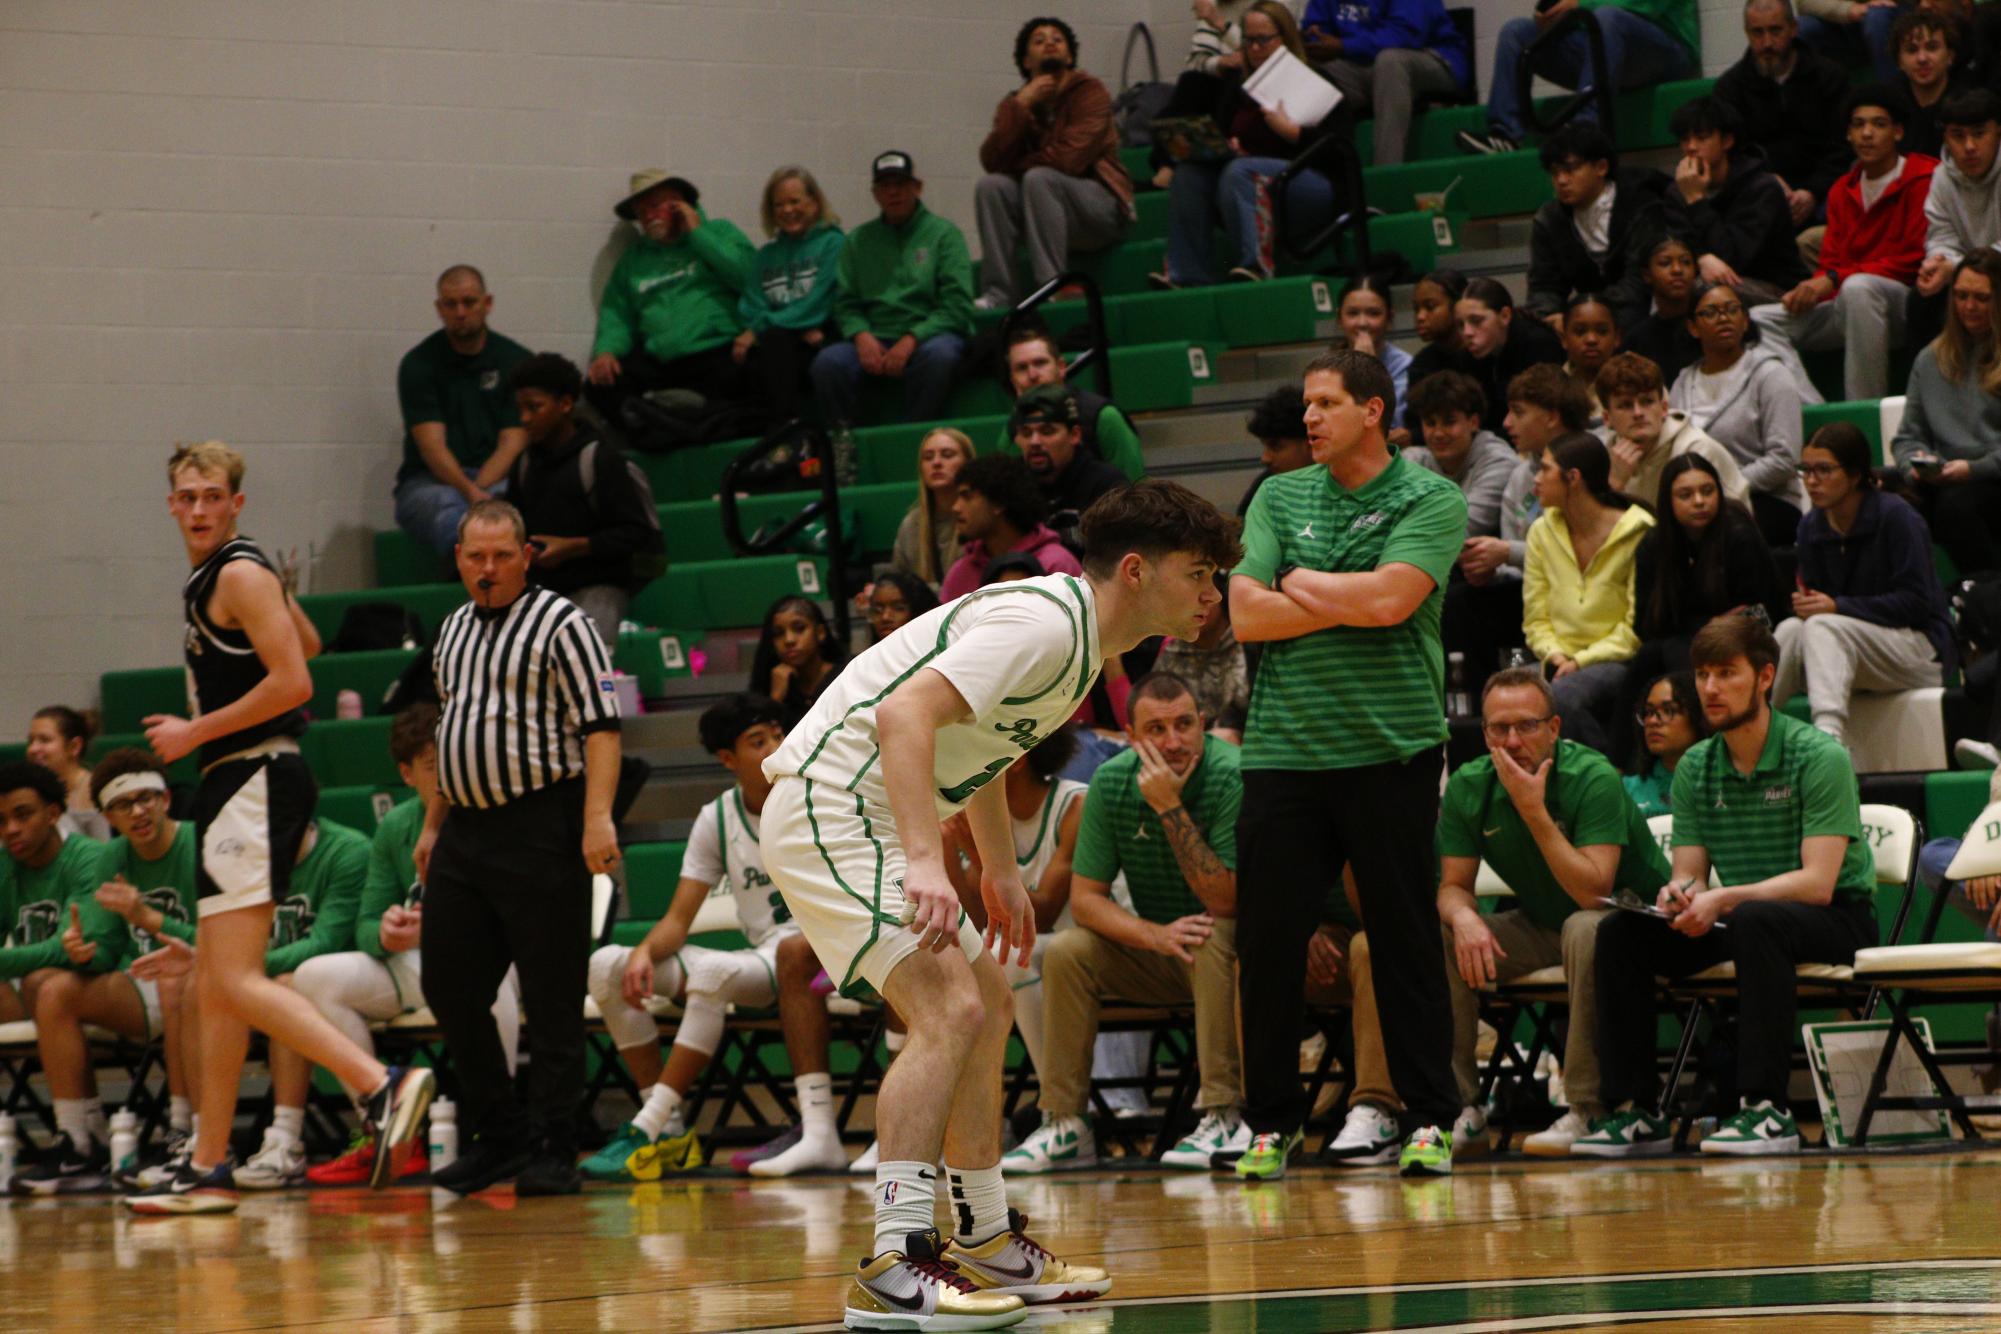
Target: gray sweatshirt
{"x": 1519, "y": 509}
{"x": 1951, "y": 419}
{"x": 1756, "y": 416}
{"x": 1483, "y": 477}
{"x": 1962, "y": 214}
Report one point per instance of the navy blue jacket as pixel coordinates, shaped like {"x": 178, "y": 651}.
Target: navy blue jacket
{"x": 1369, "y": 27}
{"x": 1880, "y": 571}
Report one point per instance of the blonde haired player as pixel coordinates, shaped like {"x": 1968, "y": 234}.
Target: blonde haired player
{"x": 911, "y": 732}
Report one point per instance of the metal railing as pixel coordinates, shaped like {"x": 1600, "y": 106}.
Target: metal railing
{"x": 1597, "y": 88}
{"x": 817, "y": 449}
{"x": 1334, "y": 156}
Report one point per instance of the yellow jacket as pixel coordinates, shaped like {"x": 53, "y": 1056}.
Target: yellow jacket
{"x": 1587, "y": 615}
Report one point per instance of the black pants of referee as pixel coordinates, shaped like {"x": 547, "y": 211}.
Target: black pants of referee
{"x": 508, "y": 885}
{"x": 1297, "y": 830}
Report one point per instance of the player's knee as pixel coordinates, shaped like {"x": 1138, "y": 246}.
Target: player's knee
{"x": 797, "y": 964}
{"x": 56, "y": 994}
{"x": 607, "y": 973}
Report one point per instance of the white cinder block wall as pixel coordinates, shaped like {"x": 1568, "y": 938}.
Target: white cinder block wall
{"x": 222, "y": 218}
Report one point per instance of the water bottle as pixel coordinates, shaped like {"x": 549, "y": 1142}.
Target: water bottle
{"x": 10, "y": 1149}
{"x": 347, "y": 704}
{"x": 444, "y": 1145}
{"x": 1458, "y": 699}
{"x": 124, "y": 1142}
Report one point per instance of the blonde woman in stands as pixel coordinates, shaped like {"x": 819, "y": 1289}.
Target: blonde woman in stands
{"x": 1950, "y": 441}
{"x": 57, "y": 737}
{"x": 928, "y": 541}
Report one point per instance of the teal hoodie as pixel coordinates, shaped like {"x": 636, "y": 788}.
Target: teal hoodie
{"x": 676, "y": 299}
{"x": 915, "y": 279}
{"x": 794, "y": 282}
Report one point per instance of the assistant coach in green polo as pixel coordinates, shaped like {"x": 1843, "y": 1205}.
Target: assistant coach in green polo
{"x": 1342, "y": 580}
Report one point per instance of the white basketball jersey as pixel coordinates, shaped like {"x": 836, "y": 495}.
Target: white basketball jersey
{"x": 723, "y": 851}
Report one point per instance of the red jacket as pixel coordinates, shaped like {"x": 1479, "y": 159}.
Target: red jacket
{"x": 1889, "y": 239}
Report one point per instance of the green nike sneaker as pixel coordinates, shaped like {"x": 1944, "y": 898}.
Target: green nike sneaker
{"x": 1427, "y": 1153}
{"x": 1627, "y": 1133}
{"x": 1758, "y": 1128}
{"x": 630, "y": 1156}
{"x": 1265, "y": 1160}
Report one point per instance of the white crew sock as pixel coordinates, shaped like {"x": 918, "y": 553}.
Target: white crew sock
{"x": 905, "y": 1195}
{"x": 979, "y": 1203}
{"x": 289, "y": 1122}
{"x": 181, "y": 1114}
{"x": 73, "y": 1119}
{"x": 661, "y": 1115}
{"x": 816, "y": 1105}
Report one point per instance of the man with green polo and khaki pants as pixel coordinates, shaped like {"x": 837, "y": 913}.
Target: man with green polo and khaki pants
{"x": 1164, "y": 813}
{"x": 1554, "y": 822}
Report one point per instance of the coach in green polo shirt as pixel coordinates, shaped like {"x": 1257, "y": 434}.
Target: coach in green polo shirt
{"x": 1344, "y": 563}
{"x": 1165, "y": 814}
{"x": 1769, "y": 805}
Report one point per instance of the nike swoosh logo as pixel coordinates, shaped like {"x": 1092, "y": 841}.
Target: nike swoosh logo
{"x": 923, "y": 1175}
{"x": 914, "y": 1302}
{"x": 1489, "y": 833}
{"x": 1027, "y": 1270}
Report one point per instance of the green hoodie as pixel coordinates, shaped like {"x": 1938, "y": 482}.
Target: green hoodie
{"x": 167, "y": 885}
{"x": 392, "y": 874}
{"x": 793, "y": 287}
{"x": 34, "y": 910}
{"x": 1674, "y": 17}
{"x": 316, "y": 916}
{"x": 915, "y": 279}
{"x": 678, "y": 298}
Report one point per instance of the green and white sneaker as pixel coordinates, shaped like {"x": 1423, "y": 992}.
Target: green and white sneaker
{"x": 1220, "y": 1132}
{"x": 1758, "y": 1128}
{"x": 1626, "y": 1133}
{"x": 1058, "y": 1144}
{"x": 631, "y": 1156}
{"x": 1265, "y": 1160}
{"x": 1427, "y": 1153}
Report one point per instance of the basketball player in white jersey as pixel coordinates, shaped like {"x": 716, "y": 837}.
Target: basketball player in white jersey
{"x": 914, "y": 730}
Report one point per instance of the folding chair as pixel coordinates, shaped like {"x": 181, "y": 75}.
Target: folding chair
{"x": 1536, "y": 997}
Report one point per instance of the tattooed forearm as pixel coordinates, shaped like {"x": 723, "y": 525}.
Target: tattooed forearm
{"x": 1213, "y": 883}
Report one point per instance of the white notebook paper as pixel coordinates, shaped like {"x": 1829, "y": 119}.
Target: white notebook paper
{"x": 1285, "y": 79}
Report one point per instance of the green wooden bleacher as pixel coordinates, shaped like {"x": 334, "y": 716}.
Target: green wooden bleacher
{"x": 432, "y": 603}
{"x": 362, "y": 805}
{"x": 719, "y": 593}
{"x": 652, "y": 871}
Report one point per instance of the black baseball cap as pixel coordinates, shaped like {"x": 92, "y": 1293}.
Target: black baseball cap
{"x": 888, "y": 166}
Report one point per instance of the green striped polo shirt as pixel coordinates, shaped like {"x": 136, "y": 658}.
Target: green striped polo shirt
{"x": 1802, "y": 786}
{"x": 1120, "y": 832}
{"x": 1350, "y": 695}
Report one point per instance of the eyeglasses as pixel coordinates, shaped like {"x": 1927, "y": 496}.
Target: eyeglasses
{"x": 1657, "y": 713}
{"x": 1527, "y": 729}
{"x": 1267, "y": 40}
{"x": 1711, "y": 314}
{"x": 1818, "y": 471}
{"x": 126, "y": 805}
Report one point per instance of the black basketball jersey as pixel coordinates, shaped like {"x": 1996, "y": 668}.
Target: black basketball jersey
{"x": 223, "y": 667}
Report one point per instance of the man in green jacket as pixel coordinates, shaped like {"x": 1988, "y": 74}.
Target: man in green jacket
{"x": 905, "y": 306}
{"x": 669, "y": 313}
{"x": 1034, "y": 359}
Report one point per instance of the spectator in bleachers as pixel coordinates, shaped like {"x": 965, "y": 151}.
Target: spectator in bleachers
{"x": 1590, "y": 338}
{"x": 905, "y": 303}
{"x": 1000, "y": 509}
{"x": 1265, "y": 140}
{"x": 1729, "y": 205}
{"x": 590, "y": 516}
{"x": 381, "y": 977}
{"x": 1384, "y": 55}
{"x": 1214, "y": 667}
{"x": 1449, "y": 406}
{"x": 1928, "y": 72}
{"x": 1552, "y": 819}
{"x": 1278, "y": 424}
{"x": 58, "y": 736}
{"x": 1577, "y": 584}
{"x": 927, "y": 540}
{"x": 1033, "y": 359}
{"x": 1644, "y": 436}
{"x": 1014, "y": 566}
{"x": 44, "y": 872}
{"x": 1852, "y": 31}
{"x": 1365, "y": 312}
{"x": 315, "y": 918}
{"x": 1669, "y": 720}
{"x": 1770, "y": 807}
{"x": 787, "y": 306}
{"x": 1165, "y": 815}
{"x": 1581, "y": 241}
{"x": 1495, "y": 347}
{"x": 460, "y": 431}
{"x": 1048, "y": 431}
{"x": 1949, "y": 442}
{"x": 1868, "y": 613}
{"x": 1793, "y": 95}
{"x": 895, "y": 600}
{"x": 797, "y": 656}
{"x": 1053, "y": 179}
{"x": 1660, "y": 332}
{"x": 1869, "y": 258}
{"x": 1742, "y": 395}
{"x": 1646, "y": 42}
{"x": 1963, "y": 208}
{"x": 668, "y": 318}
{"x": 1432, "y": 303}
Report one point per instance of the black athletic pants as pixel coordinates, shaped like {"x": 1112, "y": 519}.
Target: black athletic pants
{"x": 780, "y": 360}
{"x": 507, "y": 885}
{"x": 1297, "y": 830}
{"x": 713, "y": 373}
{"x": 1765, "y": 940}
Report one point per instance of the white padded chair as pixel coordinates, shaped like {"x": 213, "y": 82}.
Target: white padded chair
{"x": 1889, "y": 416}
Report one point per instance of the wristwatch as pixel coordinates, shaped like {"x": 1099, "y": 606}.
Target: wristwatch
{"x": 1279, "y": 578}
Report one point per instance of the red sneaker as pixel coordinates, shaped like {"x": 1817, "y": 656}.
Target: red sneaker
{"x": 354, "y": 1167}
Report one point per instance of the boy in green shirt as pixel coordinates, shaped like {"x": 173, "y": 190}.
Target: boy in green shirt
{"x": 1769, "y": 807}
{"x": 146, "y": 889}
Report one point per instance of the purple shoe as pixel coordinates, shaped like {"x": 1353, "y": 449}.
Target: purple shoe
{"x": 741, "y": 1160}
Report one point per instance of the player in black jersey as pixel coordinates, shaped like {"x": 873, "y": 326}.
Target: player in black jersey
{"x": 246, "y": 646}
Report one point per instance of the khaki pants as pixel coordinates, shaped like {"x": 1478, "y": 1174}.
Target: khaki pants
{"x": 1528, "y": 947}
{"x": 1081, "y": 969}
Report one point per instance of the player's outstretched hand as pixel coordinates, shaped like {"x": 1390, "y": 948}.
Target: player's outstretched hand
{"x": 1010, "y": 918}
{"x": 932, "y": 909}
{"x": 174, "y": 958}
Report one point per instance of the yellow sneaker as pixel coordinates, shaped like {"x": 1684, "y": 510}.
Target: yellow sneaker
{"x": 917, "y": 1288}
{"x": 1012, "y": 1262}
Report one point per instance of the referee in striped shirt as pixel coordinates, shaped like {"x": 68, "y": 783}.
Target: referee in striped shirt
{"x": 528, "y": 756}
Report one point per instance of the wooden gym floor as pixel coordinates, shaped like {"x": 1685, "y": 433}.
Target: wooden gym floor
{"x": 1833, "y": 1245}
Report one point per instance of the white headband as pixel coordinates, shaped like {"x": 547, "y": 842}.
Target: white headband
{"x": 126, "y": 784}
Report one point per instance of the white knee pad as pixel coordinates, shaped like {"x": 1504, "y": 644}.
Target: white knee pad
{"x": 628, "y": 1026}
{"x": 701, "y": 1021}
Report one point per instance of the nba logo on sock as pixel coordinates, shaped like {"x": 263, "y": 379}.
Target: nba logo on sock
{"x": 889, "y": 1192}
